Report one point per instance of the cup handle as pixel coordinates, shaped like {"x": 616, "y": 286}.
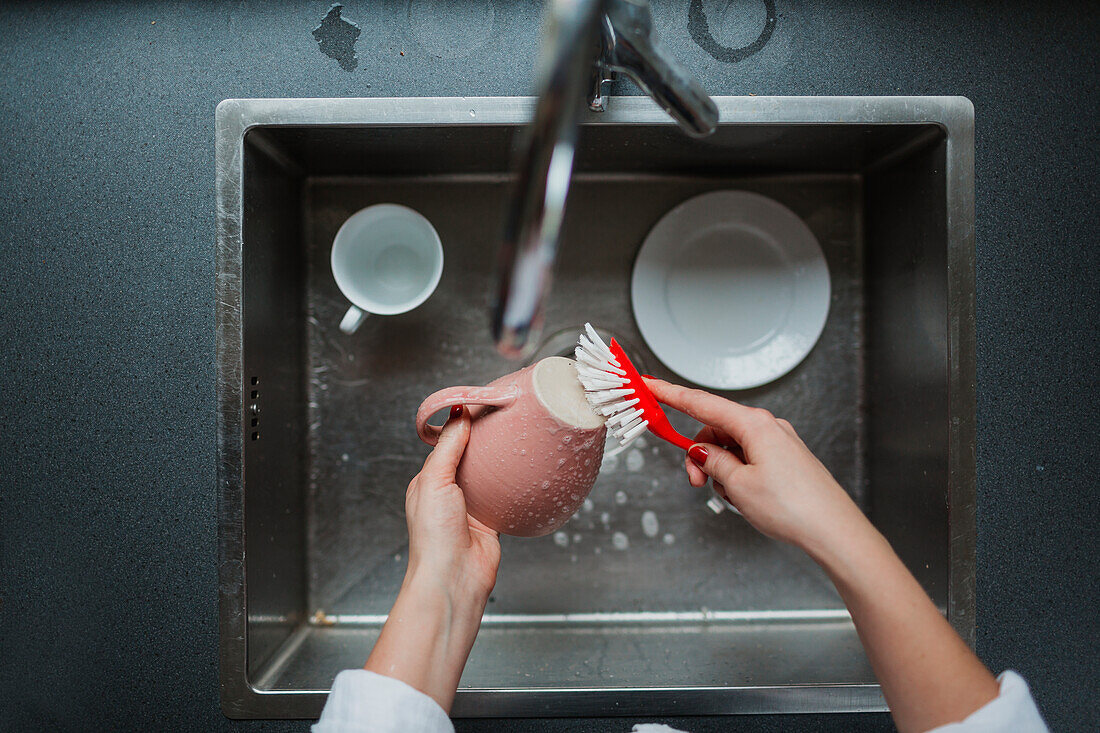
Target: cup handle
{"x": 353, "y": 319}
{"x": 500, "y": 396}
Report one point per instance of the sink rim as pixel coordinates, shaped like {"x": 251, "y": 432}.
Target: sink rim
{"x": 235, "y": 117}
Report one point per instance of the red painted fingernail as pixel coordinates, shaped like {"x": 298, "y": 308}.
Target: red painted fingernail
{"x": 456, "y": 412}
{"x": 698, "y": 454}
{"x": 649, "y": 376}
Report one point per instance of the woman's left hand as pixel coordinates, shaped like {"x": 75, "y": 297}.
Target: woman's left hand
{"x": 453, "y": 561}
{"x": 445, "y": 542}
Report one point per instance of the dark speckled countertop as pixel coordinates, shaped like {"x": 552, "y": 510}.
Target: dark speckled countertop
{"x": 107, "y": 490}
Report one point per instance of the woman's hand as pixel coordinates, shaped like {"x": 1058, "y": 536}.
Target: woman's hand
{"x": 446, "y": 543}
{"x": 928, "y": 675}
{"x": 453, "y": 561}
{"x": 762, "y": 467}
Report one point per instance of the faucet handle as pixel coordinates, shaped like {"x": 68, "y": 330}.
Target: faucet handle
{"x": 630, "y": 45}
{"x": 600, "y": 73}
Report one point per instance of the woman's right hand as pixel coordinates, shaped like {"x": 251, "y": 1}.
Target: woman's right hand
{"x": 928, "y": 675}
{"x": 761, "y": 466}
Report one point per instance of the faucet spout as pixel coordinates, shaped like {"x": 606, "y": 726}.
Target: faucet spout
{"x": 544, "y": 168}
{"x": 584, "y": 43}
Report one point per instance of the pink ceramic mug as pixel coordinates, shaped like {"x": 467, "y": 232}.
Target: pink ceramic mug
{"x": 535, "y": 447}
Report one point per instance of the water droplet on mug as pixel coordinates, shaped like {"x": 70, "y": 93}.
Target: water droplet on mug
{"x": 620, "y": 541}
{"x": 561, "y": 539}
{"x": 650, "y": 525}
{"x": 620, "y": 497}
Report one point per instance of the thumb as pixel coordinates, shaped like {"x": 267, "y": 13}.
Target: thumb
{"x": 715, "y": 461}
{"x": 442, "y": 462}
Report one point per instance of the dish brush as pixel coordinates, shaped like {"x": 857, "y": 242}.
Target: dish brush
{"x": 615, "y": 390}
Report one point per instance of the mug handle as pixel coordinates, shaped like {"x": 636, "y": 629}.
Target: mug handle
{"x": 353, "y": 319}
{"x": 500, "y": 396}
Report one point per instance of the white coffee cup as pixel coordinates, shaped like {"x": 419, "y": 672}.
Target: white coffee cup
{"x": 386, "y": 259}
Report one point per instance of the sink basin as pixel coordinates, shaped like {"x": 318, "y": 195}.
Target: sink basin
{"x": 698, "y": 615}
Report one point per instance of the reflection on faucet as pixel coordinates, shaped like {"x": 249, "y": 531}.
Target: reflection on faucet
{"x": 585, "y": 43}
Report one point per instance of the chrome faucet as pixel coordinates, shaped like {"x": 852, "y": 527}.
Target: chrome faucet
{"x": 586, "y": 42}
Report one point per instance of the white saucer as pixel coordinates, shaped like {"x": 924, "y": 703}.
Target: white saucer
{"x": 730, "y": 290}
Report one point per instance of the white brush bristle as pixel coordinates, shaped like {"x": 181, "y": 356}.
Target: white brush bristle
{"x": 605, "y": 387}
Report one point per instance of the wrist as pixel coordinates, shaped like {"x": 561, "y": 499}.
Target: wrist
{"x": 462, "y": 600}
{"x": 843, "y": 539}
{"x": 428, "y": 634}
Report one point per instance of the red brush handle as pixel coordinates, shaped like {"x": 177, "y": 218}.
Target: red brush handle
{"x": 651, "y": 409}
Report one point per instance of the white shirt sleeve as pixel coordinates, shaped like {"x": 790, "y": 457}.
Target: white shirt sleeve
{"x": 365, "y": 702}
{"x": 1012, "y": 710}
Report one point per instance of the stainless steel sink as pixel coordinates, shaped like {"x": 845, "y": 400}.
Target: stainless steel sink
{"x": 705, "y": 616}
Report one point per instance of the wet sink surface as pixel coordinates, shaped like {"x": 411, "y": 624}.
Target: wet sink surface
{"x": 694, "y": 612}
